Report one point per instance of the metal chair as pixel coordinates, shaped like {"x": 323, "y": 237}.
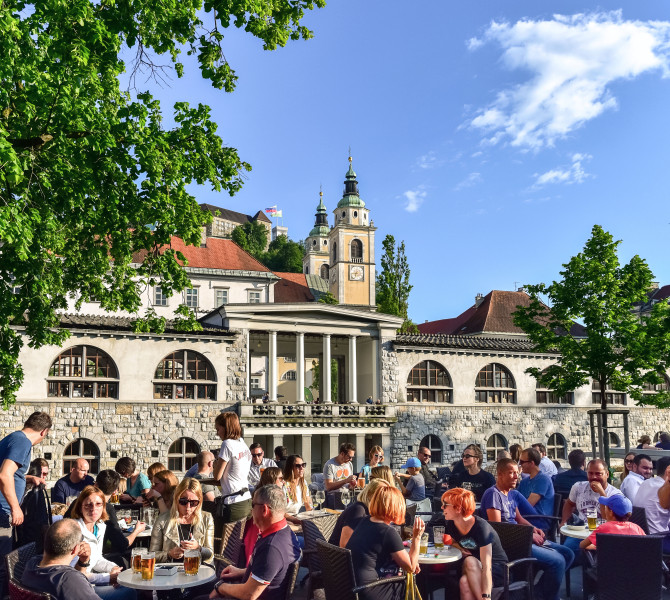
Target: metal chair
{"x": 612, "y": 578}
{"x": 16, "y": 561}
{"x": 319, "y": 528}
{"x": 18, "y": 592}
{"x": 517, "y": 541}
{"x": 231, "y": 546}
{"x": 339, "y": 579}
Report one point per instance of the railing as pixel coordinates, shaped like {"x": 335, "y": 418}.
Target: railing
{"x": 317, "y": 410}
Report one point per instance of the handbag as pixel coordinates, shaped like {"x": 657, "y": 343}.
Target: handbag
{"x": 411, "y": 590}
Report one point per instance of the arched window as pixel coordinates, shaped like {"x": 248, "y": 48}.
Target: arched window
{"x": 182, "y": 454}
{"x": 611, "y": 396}
{"x": 356, "y": 251}
{"x": 289, "y": 376}
{"x": 556, "y": 447}
{"x": 657, "y": 437}
{"x": 493, "y": 445}
{"x": 82, "y": 448}
{"x": 334, "y": 252}
{"x": 433, "y": 443}
{"x": 83, "y": 372}
{"x": 544, "y": 395}
{"x": 185, "y": 375}
{"x": 429, "y": 381}
{"x": 615, "y": 442}
{"x": 495, "y": 384}
{"x": 324, "y": 272}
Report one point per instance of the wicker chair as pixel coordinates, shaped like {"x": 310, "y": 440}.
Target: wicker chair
{"x": 18, "y": 592}
{"x": 231, "y": 546}
{"x": 319, "y": 528}
{"x": 639, "y": 517}
{"x": 517, "y": 541}
{"x": 554, "y": 519}
{"x": 291, "y": 576}
{"x": 410, "y": 513}
{"x": 16, "y": 561}
{"x": 339, "y": 579}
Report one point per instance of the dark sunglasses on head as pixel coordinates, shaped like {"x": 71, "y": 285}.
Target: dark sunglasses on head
{"x": 187, "y": 502}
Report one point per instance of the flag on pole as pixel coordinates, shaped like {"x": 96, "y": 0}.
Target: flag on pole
{"x": 277, "y": 214}
{"x": 272, "y": 210}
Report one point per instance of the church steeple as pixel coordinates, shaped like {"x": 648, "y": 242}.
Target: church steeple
{"x": 350, "y": 196}
{"x": 321, "y": 219}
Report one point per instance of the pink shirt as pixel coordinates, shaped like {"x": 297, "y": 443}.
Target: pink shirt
{"x": 616, "y": 527}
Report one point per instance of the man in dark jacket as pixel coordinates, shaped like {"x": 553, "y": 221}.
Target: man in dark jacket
{"x": 429, "y": 477}
{"x": 564, "y": 481}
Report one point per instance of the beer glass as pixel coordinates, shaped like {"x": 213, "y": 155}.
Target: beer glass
{"x": 148, "y": 565}
{"x": 438, "y": 537}
{"x": 191, "y": 562}
{"x": 592, "y": 519}
{"x": 423, "y": 544}
{"x": 136, "y": 559}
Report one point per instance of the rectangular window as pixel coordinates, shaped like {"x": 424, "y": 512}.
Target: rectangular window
{"x": 255, "y": 383}
{"x": 254, "y": 297}
{"x": 191, "y": 297}
{"x": 159, "y": 298}
{"x": 220, "y": 296}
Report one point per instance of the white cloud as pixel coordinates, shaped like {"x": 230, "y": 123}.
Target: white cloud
{"x": 414, "y": 198}
{"x": 572, "y": 61}
{"x": 574, "y": 173}
{"x": 429, "y": 161}
{"x": 469, "y": 181}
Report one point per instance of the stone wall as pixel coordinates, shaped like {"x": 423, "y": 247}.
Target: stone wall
{"x": 236, "y": 378}
{"x": 389, "y": 363}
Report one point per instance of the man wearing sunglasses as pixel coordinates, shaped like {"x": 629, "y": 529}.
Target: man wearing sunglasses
{"x": 276, "y": 548}
{"x": 258, "y": 462}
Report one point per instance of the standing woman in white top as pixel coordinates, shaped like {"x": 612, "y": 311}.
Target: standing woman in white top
{"x": 232, "y": 468}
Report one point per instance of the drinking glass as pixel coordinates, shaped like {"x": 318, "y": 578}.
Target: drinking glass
{"x": 320, "y": 497}
{"x": 438, "y": 537}
{"x": 345, "y": 497}
{"x": 423, "y": 544}
{"x": 149, "y": 516}
{"x": 592, "y": 519}
{"x": 148, "y": 565}
{"x": 136, "y": 559}
{"x": 466, "y": 485}
{"x": 191, "y": 562}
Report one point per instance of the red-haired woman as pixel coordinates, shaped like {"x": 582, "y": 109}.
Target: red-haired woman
{"x": 376, "y": 547}
{"x": 483, "y": 554}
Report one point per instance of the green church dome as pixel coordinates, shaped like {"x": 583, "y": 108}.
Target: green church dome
{"x": 350, "y": 197}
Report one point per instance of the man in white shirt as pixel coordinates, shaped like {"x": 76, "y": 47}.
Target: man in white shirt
{"x": 258, "y": 462}
{"x": 546, "y": 465}
{"x": 654, "y": 496}
{"x": 641, "y": 469}
{"x": 584, "y": 498}
{"x": 339, "y": 471}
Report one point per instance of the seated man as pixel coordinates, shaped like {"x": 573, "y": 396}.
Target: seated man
{"x": 654, "y": 496}
{"x": 642, "y": 468}
{"x": 339, "y": 470}
{"x": 501, "y": 503}
{"x": 276, "y": 548}
{"x": 258, "y": 462}
{"x": 52, "y": 572}
{"x": 564, "y": 481}
{"x": 537, "y": 487}
{"x": 546, "y": 464}
{"x": 72, "y": 484}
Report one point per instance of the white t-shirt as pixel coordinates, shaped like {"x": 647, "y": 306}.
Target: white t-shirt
{"x": 647, "y": 497}
{"x": 235, "y": 475}
{"x": 631, "y": 485}
{"x": 335, "y": 471}
{"x": 586, "y": 499}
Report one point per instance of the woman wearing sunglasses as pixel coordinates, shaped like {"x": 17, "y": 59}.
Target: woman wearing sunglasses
{"x": 627, "y": 464}
{"x": 296, "y": 486}
{"x": 376, "y": 457}
{"x": 185, "y": 527}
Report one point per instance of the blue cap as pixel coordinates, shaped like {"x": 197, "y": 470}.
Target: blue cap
{"x": 412, "y": 462}
{"x": 618, "y": 504}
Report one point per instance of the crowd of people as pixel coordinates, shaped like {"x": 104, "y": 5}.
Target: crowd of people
{"x": 84, "y": 551}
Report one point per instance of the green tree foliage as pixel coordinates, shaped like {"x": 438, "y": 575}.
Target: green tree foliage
{"x": 328, "y": 298}
{"x": 393, "y": 285}
{"x": 89, "y": 175}
{"x": 620, "y": 350}
{"x": 252, "y": 237}
{"x": 316, "y": 378}
{"x": 284, "y": 255}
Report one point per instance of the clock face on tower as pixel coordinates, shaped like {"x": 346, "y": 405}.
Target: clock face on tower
{"x": 356, "y": 273}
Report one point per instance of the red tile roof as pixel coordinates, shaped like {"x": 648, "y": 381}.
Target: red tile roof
{"x": 292, "y": 288}
{"x": 218, "y": 253}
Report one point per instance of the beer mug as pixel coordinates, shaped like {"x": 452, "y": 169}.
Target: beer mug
{"x": 191, "y": 562}
{"x": 592, "y": 519}
{"x": 438, "y": 537}
{"x": 423, "y": 544}
{"x": 148, "y": 565}
{"x": 136, "y": 559}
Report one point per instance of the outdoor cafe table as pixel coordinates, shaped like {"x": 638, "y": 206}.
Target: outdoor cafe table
{"x": 177, "y": 581}
{"x": 581, "y": 533}
{"x": 434, "y": 556}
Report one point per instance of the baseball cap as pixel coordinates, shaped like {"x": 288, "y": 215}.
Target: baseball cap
{"x": 412, "y": 462}
{"x": 618, "y": 504}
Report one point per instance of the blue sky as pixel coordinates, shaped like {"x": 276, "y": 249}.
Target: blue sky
{"x": 489, "y": 136}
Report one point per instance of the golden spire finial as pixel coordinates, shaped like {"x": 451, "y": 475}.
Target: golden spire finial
{"x": 350, "y": 159}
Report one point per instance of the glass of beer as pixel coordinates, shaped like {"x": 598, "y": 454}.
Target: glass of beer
{"x": 361, "y": 481}
{"x": 592, "y": 519}
{"x": 438, "y": 537}
{"x": 136, "y": 559}
{"x": 191, "y": 562}
{"x": 115, "y": 498}
{"x": 148, "y": 563}
{"x": 423, "y": 545}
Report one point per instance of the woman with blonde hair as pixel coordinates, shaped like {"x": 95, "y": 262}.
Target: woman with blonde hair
{"x": 155, "y": 468}
{"x": 184, "y": 527}
{"x": 382, "y": 472}
{"x": 376, "y": 548}
{"x": 296, "y": 486}
{"x": 627, "y": 462}
{"x": 162, "y": 490}
{"x": 353, "y": 514}
{"x": 376, "y": 456}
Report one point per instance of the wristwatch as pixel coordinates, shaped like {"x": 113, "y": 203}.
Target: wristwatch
{"x": 84, "y": 564}
{"x": 486, "y": 595}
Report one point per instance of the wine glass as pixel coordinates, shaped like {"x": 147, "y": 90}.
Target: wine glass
{"x": 345, "y": 497}
{"x": 320, "y": 497}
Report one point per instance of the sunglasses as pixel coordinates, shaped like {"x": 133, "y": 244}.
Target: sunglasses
{"x": 299, "y": 465}
{"x": 379, "y": 456}
{"x": 445, "y": 504}
{"x": 523, "y": 462}
{"x": 464, "y": 456}
{"x": 629, "y": 460}
{"x": 257, "y": 454}
{"x": 187, "y": 502}
{"x": 427, "y": 455}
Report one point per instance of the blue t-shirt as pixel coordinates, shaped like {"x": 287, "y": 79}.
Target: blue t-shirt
{"x": 16, "y": 447}
{"x": 141, "y": 483}
{"x": 416, "y": 486}
{"x": 564, "y": 481}
{"x": 64, "y": 488}
{"x": 506, "y": 504}
{"x": 541, "y": 485}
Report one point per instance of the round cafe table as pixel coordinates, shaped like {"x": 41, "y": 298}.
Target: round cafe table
{"x": 581, "y": 533}
{"x": 447, "y": 554}
{"x": 170, "y": 582}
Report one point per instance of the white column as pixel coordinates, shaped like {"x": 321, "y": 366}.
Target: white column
{"x": 300, "y": 367}
{"x": 359, "y": 459}
{"x": 307, "y": 454}
{"x": 333, "y": 446}
{"x": 247, "y": 391}
{"x": 374, "y": 370}
{"x": 272, "y": 365}
{"x": 325, "y": 370}
{"x": 351, "y": 374}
